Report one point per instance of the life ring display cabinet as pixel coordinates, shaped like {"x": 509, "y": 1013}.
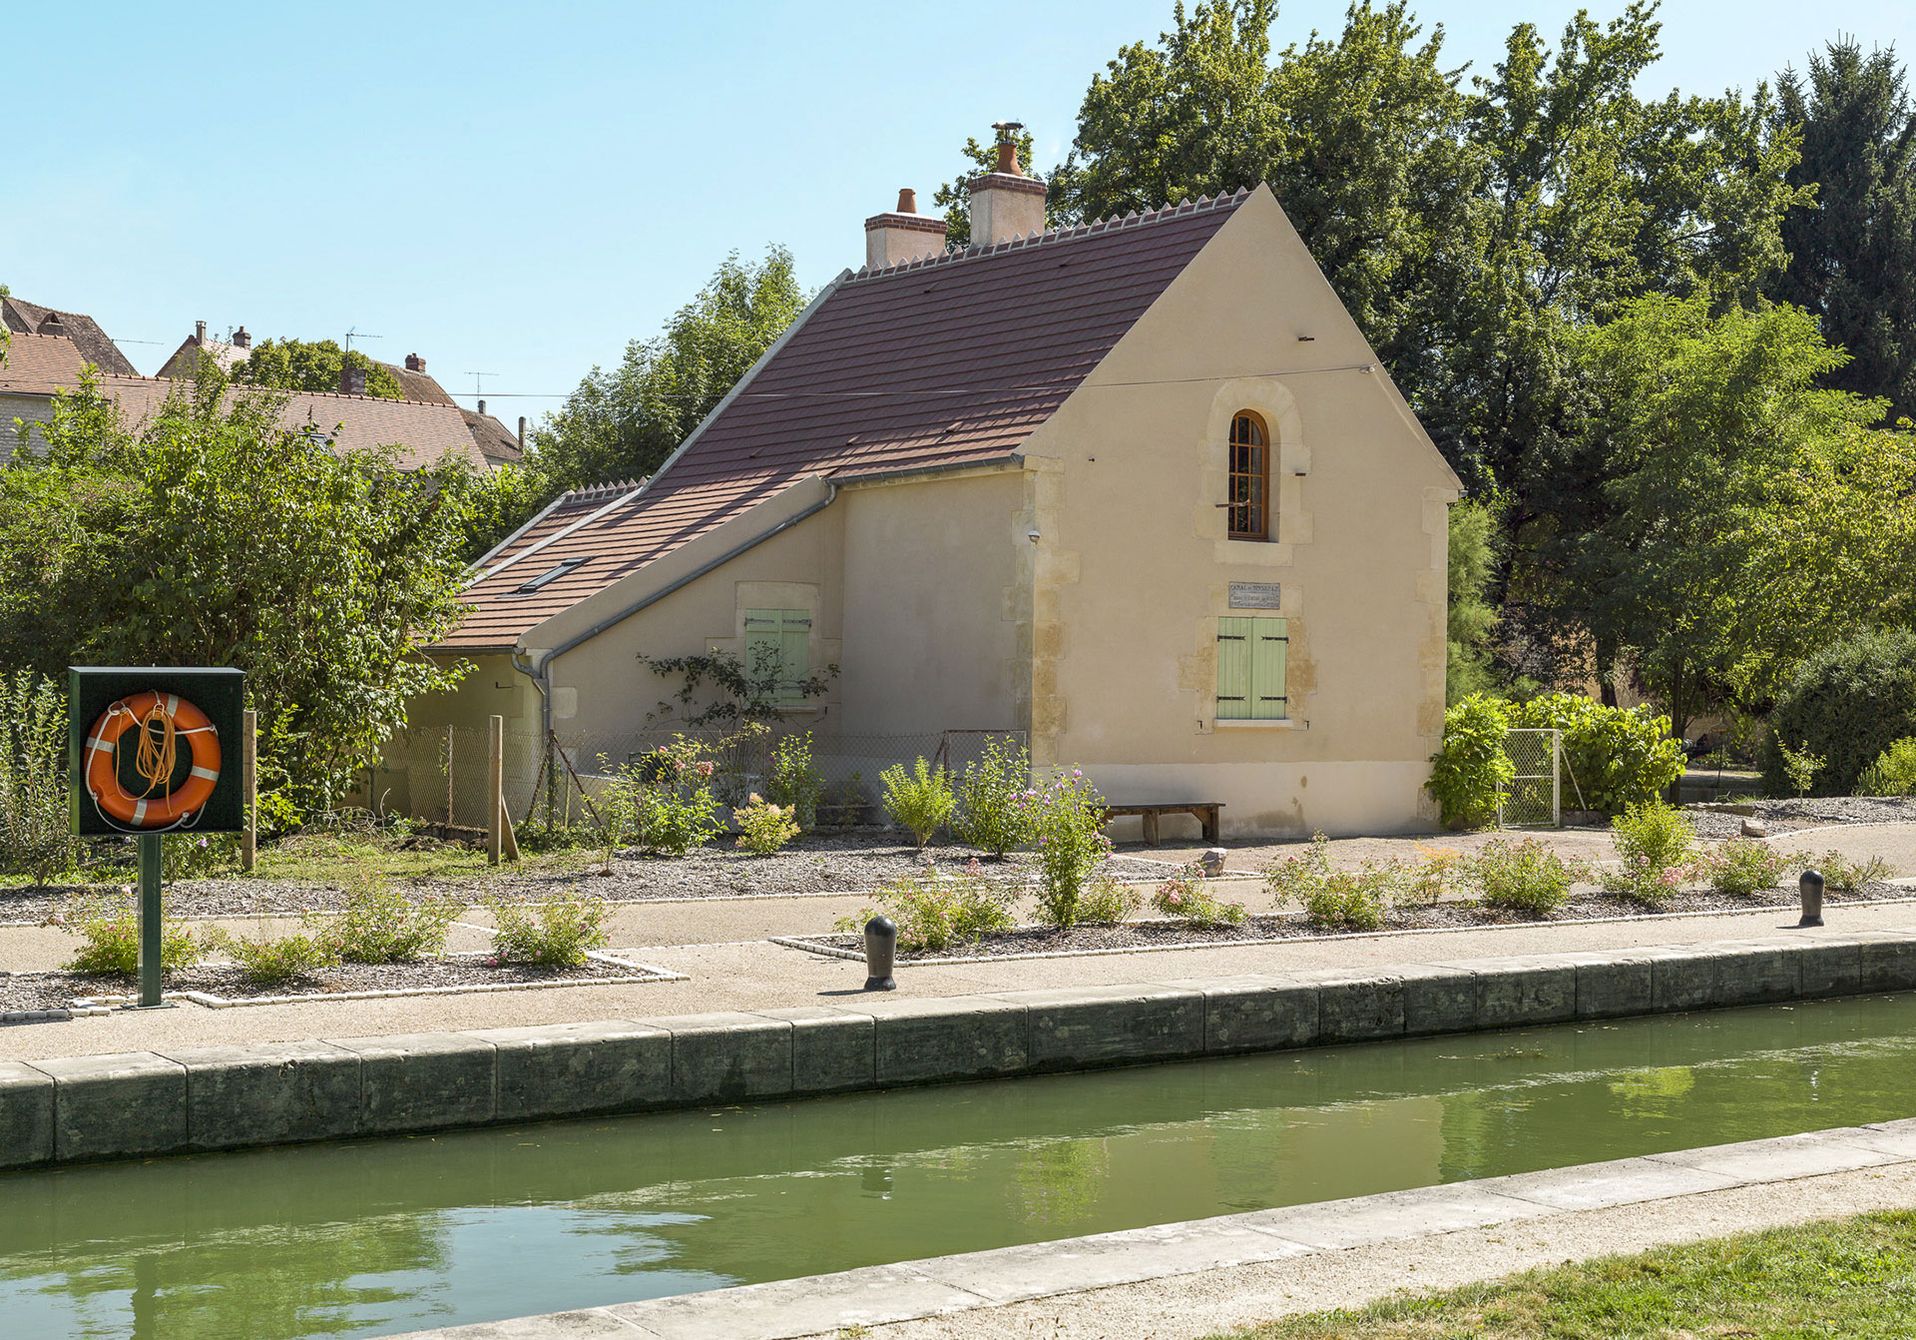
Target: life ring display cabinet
{"x": 154, "y": 750}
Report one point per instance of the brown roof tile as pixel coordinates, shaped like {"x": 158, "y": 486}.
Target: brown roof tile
{"x": 942, "y": 362}
{"x": 26, "y": 318}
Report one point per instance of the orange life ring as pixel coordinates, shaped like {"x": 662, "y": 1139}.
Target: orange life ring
{"x": 171, "y": 808}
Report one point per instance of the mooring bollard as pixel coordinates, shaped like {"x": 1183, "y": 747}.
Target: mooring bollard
{"x": 881, "y": 951}
{"x": 1811, "y": 887}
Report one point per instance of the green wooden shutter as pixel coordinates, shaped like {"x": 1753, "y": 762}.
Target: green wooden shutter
{"x": 1269, "y": 652}
{"x": 1233, "y": 669}
{"x": 778, "y": 646}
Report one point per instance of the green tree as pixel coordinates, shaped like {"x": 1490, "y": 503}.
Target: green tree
{"x": 1472, "y": 620}
{"x": 213, "y": 536}
{"x": 622, "y": 424}
{"x": 1853, "y": 256}
{"x": 312, "y": 365}
{"x": 954, "y": 197}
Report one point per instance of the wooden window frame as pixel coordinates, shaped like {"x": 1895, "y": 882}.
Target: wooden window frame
{"x": 1256, "y": 508}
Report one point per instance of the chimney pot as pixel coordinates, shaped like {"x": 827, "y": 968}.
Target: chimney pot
{"x": 1005, "y": 203}
{"x": 907, "y": 200}
{"x": 482, "y": 407}
{"x": 522, "y": 432}
{"x": 199, "y": 332}
{"x": 904, "y": 235}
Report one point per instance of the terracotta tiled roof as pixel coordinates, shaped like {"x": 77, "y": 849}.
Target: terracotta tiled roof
{"x": 30, "y": 318}
{"x": 41, "y": 365}
{"x": 419, "y": 386}
{"x": 496, "y": 442}
{"x": 943, "y": 362}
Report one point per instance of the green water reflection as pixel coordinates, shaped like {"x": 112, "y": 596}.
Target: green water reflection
{"x": 391, "y": 1235}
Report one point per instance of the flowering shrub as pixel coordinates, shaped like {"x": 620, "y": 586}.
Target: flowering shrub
{"x": 1432, "y": 876}
{"x": 1523, "y": 876}
{"x": 793, "y": 782}
{"x": 112, "y": 947}
{"x": 1184, "y": 897}
{"x": 663, "y": 802}
{"x": 939, "y": 909}
{"x": 989, "y": 815}
{"x": 1067, "y": 829}
{"x": 1655, "y": 842}
{"x": 1332, "y": 899}
{"x": 918, "y": 801}
{"x": 1741, "y": 867}
{"x": 764, "y": 827}
{"x": 554, "y": 934}
{"x": 1839, "y": 872}
{"x": 1470, "y": 771}
{"x": 274, "y": 961}
{"x": 381, "y": 925}
{"x": 1106, "y": 902}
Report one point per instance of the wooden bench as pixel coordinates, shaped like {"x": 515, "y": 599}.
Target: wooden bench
{"x": 1204, "y": 811}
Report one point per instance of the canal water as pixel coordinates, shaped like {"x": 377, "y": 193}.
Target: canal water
{"x": 379, "y": 1236}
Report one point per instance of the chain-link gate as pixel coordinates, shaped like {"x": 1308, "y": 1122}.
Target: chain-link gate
{"x": 1533, "y": 798}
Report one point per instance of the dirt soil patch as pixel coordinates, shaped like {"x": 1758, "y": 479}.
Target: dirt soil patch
{"x": 55, "y": 990}
{"x": 1155, "y": 934}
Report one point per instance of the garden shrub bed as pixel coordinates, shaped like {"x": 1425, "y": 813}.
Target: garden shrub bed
{"x": 1455, "y": 915}
{"x": 60, "y": 988}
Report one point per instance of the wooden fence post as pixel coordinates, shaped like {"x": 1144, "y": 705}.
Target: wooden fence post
{"x": 249, "y": 788}
{"x": 495, "y": 787}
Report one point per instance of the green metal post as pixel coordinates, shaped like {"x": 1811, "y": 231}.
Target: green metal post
{"x": 149, "y": 919}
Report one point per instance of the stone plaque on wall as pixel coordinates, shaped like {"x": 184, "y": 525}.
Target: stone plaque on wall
{"x": 1254, "y": 595}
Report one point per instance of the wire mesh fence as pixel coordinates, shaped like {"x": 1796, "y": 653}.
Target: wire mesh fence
{"x": 1533, "y": 798}
{"x": 442, "y": 775}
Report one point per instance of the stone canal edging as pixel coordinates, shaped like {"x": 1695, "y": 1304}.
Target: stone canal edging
{"x": 140, "y": 1104}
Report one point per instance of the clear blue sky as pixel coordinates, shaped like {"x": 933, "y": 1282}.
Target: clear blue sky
{"x": 521, "y": 188}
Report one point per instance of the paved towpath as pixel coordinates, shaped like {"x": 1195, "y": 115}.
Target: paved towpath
{"x": 753, "y": 974}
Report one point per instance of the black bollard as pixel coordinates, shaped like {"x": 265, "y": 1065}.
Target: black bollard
{"x": 881, "y": 951}
{"x": 1811, "y": 887}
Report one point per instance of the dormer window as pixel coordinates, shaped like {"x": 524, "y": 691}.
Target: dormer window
{"x": 549, "y": 576}
{"x": 1248, "y": 503}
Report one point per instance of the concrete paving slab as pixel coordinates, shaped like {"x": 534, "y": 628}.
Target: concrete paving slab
{"x": 971, "y": 1037}
{"x": 869, "y": 1297}
{"x": 1392, "y": 1215}
{"x": 1787, "y": 1156}
{"x": 548, "y": 1070}
{"x": 833, "y": 1049}
{"x": 1072, "y": 1027}
{"x": 1517, "y": 992}
{"x": 1438, "y": 1000}
{"x": 1034, "y": 1270}
{"x": 1254, "y": 1012}
{"x": 588, "y": 1323}
{"x": 1892, "y": 1137}
{"x": 726, "y": 1056}
{"x": 420, "y": 1081}
{"x": 1609, "y": 986}
{"x": 1754, "y": 973}
{"x": 26, "y": 1115}
{"x": 1592, "y": 1186}
{"x": 115, "y": 1105}
{"x": 270, "y": 1093}
{"x": 1356, "y": 1006}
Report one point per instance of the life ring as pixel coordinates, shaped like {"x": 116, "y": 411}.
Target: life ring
{"x": 170, "y": 808}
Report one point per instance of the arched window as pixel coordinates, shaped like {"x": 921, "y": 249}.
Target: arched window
{"x": 1249, "y": 500}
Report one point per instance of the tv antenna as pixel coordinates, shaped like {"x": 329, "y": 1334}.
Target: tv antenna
{"x": 477, "y": 388}
{"x": 357, "y": 334}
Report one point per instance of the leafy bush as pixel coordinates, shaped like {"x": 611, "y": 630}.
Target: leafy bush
{"x": 36, "y": 837}
{"x": 1523, "y": 876}
{"x": 919, "y": 801}
{"x": 1893, "y": 773}
{"x": 1613, "y": 757}
{"x": 1434, "y": 874}
{"x": 1848, "y": 703}
{"x": 275, "y": 815}
{"x": 990, "y": 816}
{"x": 939, "y": 909}
{"x": 1839, "y": 872}
{"x": 1741, "y": 867}
{"x": 763, "y": 828}
{"x": 201, "y": 856}
{"x": 1106, "y": 902}
{"x": 1471, "y": 769}
{"x": 1655, "y": 842}
{"x": 554, "y": 934}
{"x": 663, "y": 802}
{"x": 270, "y": 961}
{"x": 1800, "y": 767}
{"x": 793, "y": 782}
{"x": 1067, "y": 829}
{"x": 381, "y": 925}
{"x": 1184, "y": 897}
{"x": 1333, "y": 899}
{"x": 112, "y": 945}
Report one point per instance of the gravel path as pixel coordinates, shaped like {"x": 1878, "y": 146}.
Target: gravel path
{"x": 1783, "y": 816}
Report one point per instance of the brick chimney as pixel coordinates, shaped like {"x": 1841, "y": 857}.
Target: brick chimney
{"x": 414, "y": 363}
{"x": 1005, "y": 204}
{"x": 352, "y": 380}
{"x": 199, "y": 332}
{"x": 903, "y": 235}
{"x": 242, "y": 339}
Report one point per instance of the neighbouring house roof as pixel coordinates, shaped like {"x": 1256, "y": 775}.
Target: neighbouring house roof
{"x": 40, "y": 365}
{"x": 419, "y": 385}
{"x": 27, "y": 318}
{"x": 185, "y": 360}
{"x": 496, "y": 442}
{"x": 950, "y": 361}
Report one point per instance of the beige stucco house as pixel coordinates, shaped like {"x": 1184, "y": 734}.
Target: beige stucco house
{"x": 1138, "y": 488}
